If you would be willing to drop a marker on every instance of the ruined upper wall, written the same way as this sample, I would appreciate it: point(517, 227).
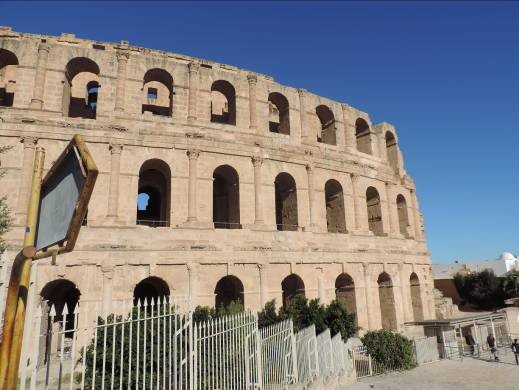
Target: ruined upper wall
point(43, 74)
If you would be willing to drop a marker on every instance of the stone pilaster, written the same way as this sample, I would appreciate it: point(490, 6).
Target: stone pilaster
point(257, 162)
point(191, 204)
point(359, 200)
point(310, 172)
point(417, 217)
point(194, 70)
point(404, 290)
point(113, 191)
point(108, 276)
point(305, 136)
point(349, 129)
point(392, 212)
point(29, 146)
point(253, 80)
point(192, 270)
point(120, 91)
point(39, 79)
point(365, 270)
point(263, 284)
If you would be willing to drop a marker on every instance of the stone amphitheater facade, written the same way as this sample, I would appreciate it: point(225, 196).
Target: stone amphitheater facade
point(215, 183)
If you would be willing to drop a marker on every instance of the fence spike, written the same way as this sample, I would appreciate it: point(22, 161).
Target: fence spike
point(52, 311)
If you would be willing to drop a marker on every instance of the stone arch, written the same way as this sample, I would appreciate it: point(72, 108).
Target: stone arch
point(151, 287)
point(286, 202)
point(403, 217)
point(363, 135)
point(345, 292)
point(157, 87)
point(81, 87)
point(154, 194)
point(223, 102)
point(327, 134)
point(291, 286)
point(392, 150)
point(335, 215)
point(416, 297)
point(226, 198)
point(387, 301)
point(279, 114)
point(228, 289)
point(374, 211)
point(8, 65)
point(58, 293)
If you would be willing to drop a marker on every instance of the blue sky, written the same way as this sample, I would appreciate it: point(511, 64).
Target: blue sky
point(445, 73)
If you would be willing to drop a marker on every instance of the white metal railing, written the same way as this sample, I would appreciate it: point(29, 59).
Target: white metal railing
point(278, 352)
point(339, 358)
point(325, 354)
point(426, 350)
point(307, 359)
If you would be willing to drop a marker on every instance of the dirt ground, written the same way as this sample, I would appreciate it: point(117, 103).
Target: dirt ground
point(463, 374)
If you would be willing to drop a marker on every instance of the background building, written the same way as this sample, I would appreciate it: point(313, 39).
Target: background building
point(215, 183)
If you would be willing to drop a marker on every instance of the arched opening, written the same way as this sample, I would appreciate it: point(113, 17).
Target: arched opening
point(226, 198)
point(335, 219)
point(292, 285)
point(392, 150)
point(81, 88)
point(154, 193)
point(387, 301)
point(286, 202)
point(157, 91)
point(416, 297)
point(60, 293)
point(374, 211)
point(152, 287)
point(228, 289)
point(327, 134)
point(363, 135)
point(8, 65)
point(279, 114)
point(223, 102)
point(345, 292)
point(403, 218)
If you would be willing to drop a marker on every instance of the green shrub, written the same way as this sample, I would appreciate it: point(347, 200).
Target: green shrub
point(483, 289)
point(390, 350)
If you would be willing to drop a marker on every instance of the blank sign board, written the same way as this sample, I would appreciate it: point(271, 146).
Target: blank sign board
point(65, 193)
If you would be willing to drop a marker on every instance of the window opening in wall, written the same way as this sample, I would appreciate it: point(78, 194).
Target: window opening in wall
point(292, 286)
point(279, 114)
point(363, 135)
point(326, 135)
point(416, 297)
point(59, 293)
point(335, 215)
point(345, 292)
point(154, 192)
point(228, 289)
point(286, 202)
point(387, 301)
point(158, 92)
point(81, 87)
point(150, 288)
point(92, 91)
point(374, 211)
point(226, 198)
point(8, 65)
point(223, 102)
point(403, 218)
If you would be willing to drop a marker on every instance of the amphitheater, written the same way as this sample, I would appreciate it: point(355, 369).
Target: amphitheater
point(215, 183)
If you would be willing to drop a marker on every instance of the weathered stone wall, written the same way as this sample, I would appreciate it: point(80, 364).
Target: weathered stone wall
point(113, 253)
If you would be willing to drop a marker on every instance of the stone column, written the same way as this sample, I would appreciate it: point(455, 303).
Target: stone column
point(320, 285)
point(349, 205)
point(29, 146)
point(366, 292)
point(194, 68)
point(263, 284)
point(120, 91)
point(394, 228)
point(403, 287)
point(349, 129)
point(191, 204)
point(302, 111)
point(252, 79)
point(108, 276)
point(39, 79)
point(416, 214)
point(257, 162)
point(192, 270)
point(361, 218)
point(310, 173)
point(115, 168)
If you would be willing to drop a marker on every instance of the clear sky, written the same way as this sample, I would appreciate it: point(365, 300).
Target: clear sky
point(445, 74)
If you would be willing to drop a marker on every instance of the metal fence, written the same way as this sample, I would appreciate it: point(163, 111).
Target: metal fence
point(426, 350)
point(307, 359)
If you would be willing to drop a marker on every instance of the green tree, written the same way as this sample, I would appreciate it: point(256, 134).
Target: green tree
point(483, 289)
point(511, 284)
point(5, 219)
point(390, 350)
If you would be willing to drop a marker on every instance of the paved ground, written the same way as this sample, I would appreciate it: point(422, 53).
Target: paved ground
point(468, 374)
